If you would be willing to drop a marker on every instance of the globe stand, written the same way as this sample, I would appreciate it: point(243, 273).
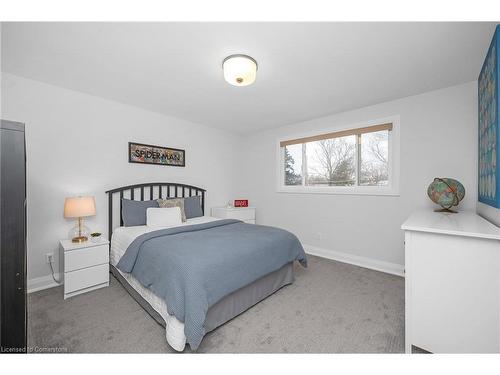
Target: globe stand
point(446, 210)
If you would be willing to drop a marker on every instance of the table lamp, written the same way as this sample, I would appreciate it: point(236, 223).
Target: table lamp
point(79, 207)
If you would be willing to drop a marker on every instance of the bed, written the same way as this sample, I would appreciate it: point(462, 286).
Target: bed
point(152, 298)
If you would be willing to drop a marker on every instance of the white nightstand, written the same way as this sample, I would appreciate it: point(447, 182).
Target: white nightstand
point(86, 266)
point(246, 214)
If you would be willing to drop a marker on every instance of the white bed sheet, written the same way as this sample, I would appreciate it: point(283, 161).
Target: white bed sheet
point(121, 239)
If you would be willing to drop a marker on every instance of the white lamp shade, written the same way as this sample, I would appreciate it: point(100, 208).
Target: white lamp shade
point(239, 70)
point(79, 206)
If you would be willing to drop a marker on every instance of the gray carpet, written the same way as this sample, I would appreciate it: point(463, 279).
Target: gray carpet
point(331, 308)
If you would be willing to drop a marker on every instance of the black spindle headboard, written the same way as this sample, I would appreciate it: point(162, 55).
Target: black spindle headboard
point(149, 191)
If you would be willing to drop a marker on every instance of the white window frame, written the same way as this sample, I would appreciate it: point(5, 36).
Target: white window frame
point(394, 153)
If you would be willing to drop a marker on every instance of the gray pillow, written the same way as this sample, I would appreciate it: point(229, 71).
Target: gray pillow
point(134, 212)
point(192, 207)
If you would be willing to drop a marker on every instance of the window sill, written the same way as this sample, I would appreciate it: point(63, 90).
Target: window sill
point(338, 190)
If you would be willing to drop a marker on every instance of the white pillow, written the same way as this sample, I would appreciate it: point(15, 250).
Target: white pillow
point(163, 217)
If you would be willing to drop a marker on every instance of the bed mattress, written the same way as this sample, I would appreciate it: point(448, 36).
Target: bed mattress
point(224, 310)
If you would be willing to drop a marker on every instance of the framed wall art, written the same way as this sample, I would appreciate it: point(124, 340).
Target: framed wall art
point(158, 155)
point(489, 126)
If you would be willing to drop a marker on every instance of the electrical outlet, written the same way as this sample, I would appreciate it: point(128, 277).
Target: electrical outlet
point(49, 258)
point(319, 235)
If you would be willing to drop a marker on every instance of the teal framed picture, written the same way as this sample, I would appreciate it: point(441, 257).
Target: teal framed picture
point(489, 126)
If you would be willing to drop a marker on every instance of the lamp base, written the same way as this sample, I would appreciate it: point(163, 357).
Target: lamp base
point(79, 233)
point(79, 239)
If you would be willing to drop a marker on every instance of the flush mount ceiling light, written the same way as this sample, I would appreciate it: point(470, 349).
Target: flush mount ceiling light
point(239, 70)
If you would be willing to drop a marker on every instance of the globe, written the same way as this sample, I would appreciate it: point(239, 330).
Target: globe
point(447, 192)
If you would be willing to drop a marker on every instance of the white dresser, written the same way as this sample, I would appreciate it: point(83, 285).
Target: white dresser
point(246, 214)
point(452, 272)
point(86, 266)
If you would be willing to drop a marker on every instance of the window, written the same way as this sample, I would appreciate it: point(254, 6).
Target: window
point(356, 160)
point(374, 159)
point(331, 162)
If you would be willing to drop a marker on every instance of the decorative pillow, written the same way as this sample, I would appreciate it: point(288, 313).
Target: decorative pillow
point(163, 217)
point(173, 202)
point(134, 212)
point(192, 207)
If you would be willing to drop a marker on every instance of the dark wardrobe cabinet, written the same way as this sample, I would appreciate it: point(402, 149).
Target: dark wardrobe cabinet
point(13, 238)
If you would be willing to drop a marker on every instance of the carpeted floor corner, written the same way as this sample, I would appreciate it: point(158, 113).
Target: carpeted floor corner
point(332, 307)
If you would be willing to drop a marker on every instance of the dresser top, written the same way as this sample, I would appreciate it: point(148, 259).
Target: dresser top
point(463, 223)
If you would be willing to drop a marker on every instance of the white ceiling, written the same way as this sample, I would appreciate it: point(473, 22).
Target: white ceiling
point(306, 70)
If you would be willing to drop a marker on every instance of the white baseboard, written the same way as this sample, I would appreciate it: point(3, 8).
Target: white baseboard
point(41, 283)
point(378, 265)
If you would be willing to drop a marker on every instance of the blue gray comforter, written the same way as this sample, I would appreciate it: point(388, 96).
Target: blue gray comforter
point(193, 267)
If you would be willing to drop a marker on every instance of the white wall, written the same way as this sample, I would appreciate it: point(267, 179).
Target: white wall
point(77, 145)
point(437, 139)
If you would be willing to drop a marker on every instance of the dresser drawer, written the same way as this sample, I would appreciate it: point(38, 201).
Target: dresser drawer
point(85, 278)
point(85, 257)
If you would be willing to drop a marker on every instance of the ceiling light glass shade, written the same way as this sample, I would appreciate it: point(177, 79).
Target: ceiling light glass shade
point(239, 70)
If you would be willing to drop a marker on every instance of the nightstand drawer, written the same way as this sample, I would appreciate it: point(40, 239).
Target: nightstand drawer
point(85, 278)
point(85, 257)
point(234, 213)
point(243, 214)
